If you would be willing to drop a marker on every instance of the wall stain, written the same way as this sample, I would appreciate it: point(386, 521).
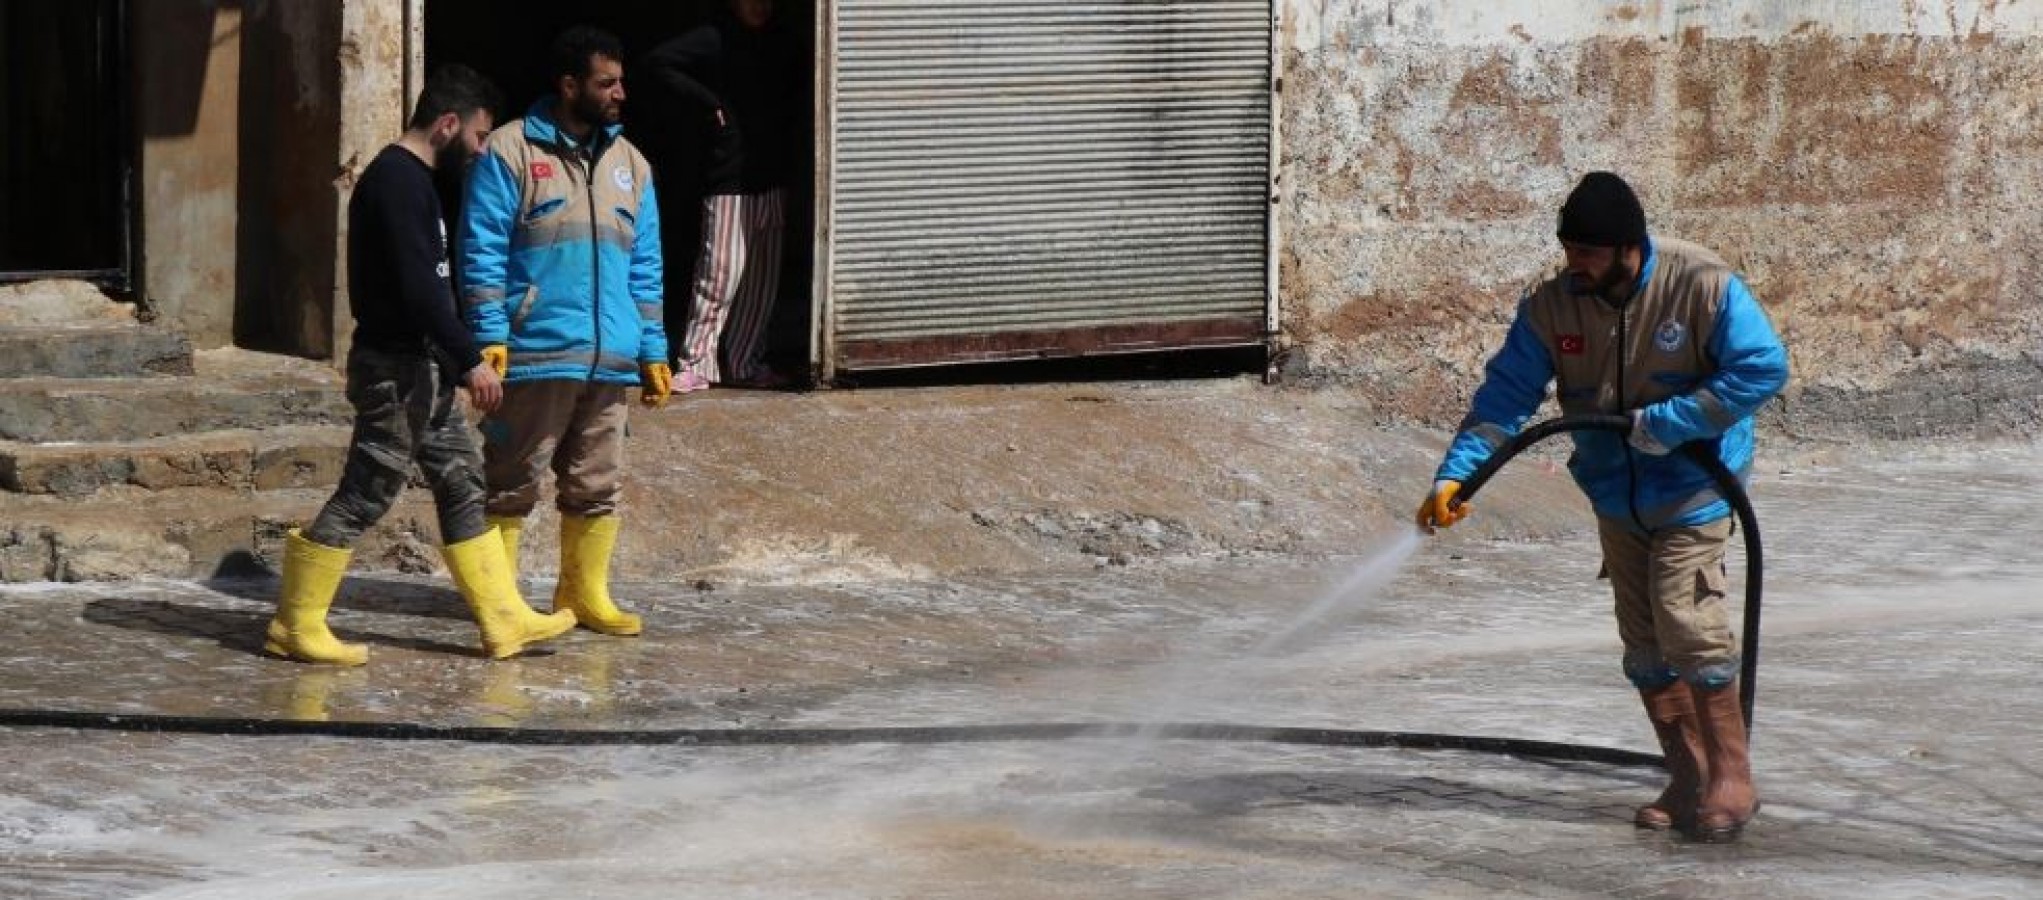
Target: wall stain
point(1876, 191)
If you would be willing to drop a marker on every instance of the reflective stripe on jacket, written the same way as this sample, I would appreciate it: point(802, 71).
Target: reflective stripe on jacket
point(560, 253)
point(1692, 348)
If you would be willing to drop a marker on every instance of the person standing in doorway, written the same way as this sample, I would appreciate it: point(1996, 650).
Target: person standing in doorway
point(561, 269)
point(739, 79)
point(409, 352)
point(1666, 332)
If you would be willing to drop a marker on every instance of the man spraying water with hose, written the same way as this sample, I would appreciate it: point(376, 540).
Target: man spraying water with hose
point(1665, 332)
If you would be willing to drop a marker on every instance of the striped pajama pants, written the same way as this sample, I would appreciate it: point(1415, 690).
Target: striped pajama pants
point(737, 276)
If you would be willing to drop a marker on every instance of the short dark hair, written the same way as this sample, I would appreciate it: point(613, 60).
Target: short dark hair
point(575, 47)
point(457, 89)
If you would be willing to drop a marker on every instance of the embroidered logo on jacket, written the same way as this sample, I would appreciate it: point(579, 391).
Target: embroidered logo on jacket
point(1571, 345)
point(542, 171)
point(621, 176)
point(1669, 336)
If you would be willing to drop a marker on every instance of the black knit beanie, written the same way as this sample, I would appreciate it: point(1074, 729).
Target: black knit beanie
point(1602, 211)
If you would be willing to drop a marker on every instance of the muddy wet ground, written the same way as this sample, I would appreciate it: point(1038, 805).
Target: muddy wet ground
point(1897, 723)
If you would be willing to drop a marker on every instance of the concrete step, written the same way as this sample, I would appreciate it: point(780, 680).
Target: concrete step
point(48, 410)
point(95, 350)
point(129, 533)
point(299, 456)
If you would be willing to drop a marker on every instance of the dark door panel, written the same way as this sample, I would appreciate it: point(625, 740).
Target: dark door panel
point(64, 146)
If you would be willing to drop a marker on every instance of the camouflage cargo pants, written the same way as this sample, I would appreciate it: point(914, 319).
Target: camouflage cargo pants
point(405, 415)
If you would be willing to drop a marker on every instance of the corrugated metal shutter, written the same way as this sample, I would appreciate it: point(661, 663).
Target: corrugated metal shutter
point(1020, 177)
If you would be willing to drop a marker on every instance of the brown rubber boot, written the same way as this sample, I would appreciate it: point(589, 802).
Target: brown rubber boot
point(1672, 712)
point(1728, 799)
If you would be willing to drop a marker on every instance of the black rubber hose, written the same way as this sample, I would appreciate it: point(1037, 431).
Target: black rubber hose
point(1727, 484)
point(755, 737)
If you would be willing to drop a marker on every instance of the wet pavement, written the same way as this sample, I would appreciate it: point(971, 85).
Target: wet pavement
point(1897, 726)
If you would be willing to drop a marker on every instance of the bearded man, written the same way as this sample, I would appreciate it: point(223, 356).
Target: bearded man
point(409, 354)
point(562, 275)
point(1668, 333)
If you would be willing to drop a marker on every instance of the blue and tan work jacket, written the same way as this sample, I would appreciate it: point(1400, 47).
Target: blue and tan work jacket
point(560, 253)
point(1692, 348)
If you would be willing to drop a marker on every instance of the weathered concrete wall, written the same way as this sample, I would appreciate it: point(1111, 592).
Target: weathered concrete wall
point(291, 120)
point(258, 117)
point(1869, 166)
point(376, 62)
point(188, 85)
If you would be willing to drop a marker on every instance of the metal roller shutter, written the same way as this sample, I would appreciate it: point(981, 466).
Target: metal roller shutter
point(1020, 178)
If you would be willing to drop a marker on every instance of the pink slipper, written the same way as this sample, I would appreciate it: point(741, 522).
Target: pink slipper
point(687, 382)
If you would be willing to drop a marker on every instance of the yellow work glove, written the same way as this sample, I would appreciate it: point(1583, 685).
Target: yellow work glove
point(498, 357)
point(656, 384)
point(1437, 511)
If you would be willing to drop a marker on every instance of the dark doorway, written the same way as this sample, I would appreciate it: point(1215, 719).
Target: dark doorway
point(511, 50)
point(65, 148)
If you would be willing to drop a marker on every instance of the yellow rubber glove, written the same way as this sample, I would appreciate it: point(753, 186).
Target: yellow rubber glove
point(498, 357)
point(1437, 511)
point(656, 384)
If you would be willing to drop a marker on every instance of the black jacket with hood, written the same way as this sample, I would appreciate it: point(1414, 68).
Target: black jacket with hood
point(754, 78)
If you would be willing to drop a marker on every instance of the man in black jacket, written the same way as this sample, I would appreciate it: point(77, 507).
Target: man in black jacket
point(723, 103)
point(410, 349)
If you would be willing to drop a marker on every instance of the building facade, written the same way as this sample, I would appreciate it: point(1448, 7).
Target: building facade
point(1361, 186)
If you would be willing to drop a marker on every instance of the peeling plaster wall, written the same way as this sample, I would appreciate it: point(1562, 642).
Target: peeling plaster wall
point(1871, 167)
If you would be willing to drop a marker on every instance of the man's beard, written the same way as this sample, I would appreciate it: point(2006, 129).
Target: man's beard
point(451, 158)
point(590, 108)
point(1615, 286)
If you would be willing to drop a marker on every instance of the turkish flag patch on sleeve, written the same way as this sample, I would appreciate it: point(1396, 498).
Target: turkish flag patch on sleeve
point(1571, 345)
point(542, 171)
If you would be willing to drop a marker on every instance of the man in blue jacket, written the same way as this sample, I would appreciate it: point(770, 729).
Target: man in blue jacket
point(1666, 332)
point(562, 275)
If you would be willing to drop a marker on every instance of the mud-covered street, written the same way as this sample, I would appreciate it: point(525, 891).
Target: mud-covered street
point(1897, 712)
point(1032, 517)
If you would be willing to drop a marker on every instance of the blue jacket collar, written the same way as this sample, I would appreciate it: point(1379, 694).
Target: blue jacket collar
point(541, 127)
point(1648, 261)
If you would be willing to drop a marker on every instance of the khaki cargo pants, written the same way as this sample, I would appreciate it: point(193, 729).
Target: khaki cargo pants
point(576, 428)
point(1672, 612)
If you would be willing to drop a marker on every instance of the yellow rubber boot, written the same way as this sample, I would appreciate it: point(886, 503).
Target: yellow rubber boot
point(485, 581)
point(586, 543)
point(512, 529)
point(312, 575)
